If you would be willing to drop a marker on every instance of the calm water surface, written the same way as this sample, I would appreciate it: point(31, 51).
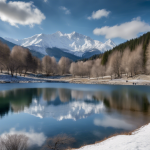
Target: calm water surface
point(88, 113)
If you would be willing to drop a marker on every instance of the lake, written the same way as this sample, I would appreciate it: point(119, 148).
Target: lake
point(89, 113)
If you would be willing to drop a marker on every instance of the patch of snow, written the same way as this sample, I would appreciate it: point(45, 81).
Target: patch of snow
point(139, 140)
point(9, 79)
point(124, 80)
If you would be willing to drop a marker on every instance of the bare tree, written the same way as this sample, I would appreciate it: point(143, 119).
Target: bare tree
point(110, 71)
point(73, 69)
point(28, 60)
point(96, 70)
point(4, 55)
point(50, 65)
point(39, 66)
point(54, 66)
point(16, 59)
point(12, 65)
point(109, 67)
point(116, 62)
point(46, 62)
point(148, 60)
point(125, 65)
point(21, 59)
point(60, 142)
point(81, 68)
point(14, 142)
point(88, 66)
point(102, 71)
point(64, 64)
point(136, 61)
point(34, 64)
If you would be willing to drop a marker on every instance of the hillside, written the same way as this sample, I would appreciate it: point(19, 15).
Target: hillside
point(131, 44)
point(58, 53)
point(11, 45)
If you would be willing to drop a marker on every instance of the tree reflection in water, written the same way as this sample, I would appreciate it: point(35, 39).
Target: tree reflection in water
point(88, 114)
point(124, 99)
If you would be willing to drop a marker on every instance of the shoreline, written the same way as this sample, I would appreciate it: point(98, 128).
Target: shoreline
point(136, 139)
point(124, 141)
point(138, 80)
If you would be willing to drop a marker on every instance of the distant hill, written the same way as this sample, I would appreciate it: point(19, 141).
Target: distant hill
point(36, 54)
point(58, 53)
point(11, 45)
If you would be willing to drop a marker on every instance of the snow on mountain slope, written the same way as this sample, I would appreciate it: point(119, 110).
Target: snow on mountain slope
point(75, 43)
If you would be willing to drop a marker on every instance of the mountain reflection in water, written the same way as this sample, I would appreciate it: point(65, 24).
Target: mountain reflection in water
point(45, 99)
point(93, 114)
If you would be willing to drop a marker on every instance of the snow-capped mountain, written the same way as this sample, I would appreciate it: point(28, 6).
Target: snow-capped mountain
point(74, 43)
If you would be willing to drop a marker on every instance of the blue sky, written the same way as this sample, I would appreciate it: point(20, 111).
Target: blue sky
point(118, 20)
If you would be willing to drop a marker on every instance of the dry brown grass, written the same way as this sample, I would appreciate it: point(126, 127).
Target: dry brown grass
point(123, 133)
point(116, 134)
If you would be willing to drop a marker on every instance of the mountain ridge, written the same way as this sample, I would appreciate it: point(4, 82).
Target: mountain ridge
point(75, 43)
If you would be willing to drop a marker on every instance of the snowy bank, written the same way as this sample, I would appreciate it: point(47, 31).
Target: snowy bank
point(5, 78)
point(138, 140)
point(9, 79)
point(138, 80)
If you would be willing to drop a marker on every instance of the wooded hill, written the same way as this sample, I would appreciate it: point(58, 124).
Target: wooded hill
point(131, 44)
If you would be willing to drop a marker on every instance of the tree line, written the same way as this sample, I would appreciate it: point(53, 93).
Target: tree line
point(20, 61)
point(131, 44)
point(129, 62)
point(117, 63)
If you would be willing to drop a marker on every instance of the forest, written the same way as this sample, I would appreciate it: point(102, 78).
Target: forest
point(130, 58)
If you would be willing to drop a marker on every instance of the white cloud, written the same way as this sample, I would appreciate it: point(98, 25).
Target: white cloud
point(99, 14)
point(34, 138)
point(67, 11)
point(45, 1)
point(40, 27)
point(127, 30)
point(114, 123)
point(20, 13)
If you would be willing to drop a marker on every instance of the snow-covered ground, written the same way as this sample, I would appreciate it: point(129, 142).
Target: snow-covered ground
point(5, 78)
point(139, 80)
point(123, 80)
point(138, 140)
point(9, 79)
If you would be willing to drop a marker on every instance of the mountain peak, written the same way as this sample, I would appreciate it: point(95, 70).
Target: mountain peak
point(110, 42)
point(74, 32)
point(74, 43)
point(59, 33)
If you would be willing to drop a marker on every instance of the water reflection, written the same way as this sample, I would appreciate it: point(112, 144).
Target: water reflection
point(64, 95)
point(16, 100)
point(128, 100)
point(88, 115)
point(49, 94)
point(72, 101)
point(73, 110)
point(34, 138)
